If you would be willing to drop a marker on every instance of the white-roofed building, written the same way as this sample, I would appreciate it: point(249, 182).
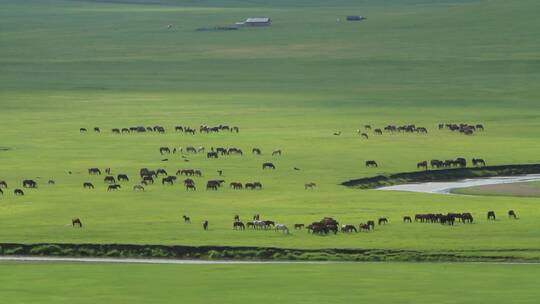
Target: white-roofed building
point(258, 21)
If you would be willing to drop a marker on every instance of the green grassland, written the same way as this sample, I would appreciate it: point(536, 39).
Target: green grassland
point(71, 64)
point(336, 283)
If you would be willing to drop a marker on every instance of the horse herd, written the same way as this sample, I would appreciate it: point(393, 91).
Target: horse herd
point(213, 152)
point(148, 177)
point(463, 128)
point(161, 130)
point(467, 129)
point(449, 163)
point(330, 225)
point(27, 183)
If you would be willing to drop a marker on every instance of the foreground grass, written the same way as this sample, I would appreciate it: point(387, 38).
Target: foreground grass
point(336, 283)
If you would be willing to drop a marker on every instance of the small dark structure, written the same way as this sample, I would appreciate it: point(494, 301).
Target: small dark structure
point(356, 18)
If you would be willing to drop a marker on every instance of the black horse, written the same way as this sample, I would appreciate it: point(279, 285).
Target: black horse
point(491, 215)
point(371, 164)
point(268, 166)
point(76, 221)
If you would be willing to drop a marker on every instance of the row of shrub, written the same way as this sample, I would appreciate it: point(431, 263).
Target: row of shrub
point(240, 253)
point(441, 175)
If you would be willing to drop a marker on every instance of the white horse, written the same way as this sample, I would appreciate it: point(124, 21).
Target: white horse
point(283, 228)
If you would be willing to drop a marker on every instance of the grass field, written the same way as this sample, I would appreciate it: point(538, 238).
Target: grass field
point(528, 189)
point(72, 64)
point(336, 283)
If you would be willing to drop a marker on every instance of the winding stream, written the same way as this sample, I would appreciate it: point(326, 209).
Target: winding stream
point(446, 187)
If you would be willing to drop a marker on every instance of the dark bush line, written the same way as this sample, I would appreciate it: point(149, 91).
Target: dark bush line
point(441, 175)
point(247, 253)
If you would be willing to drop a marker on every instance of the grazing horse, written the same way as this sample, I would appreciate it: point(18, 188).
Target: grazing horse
point(282, 228)
point(51, 182)
point(97, 130)
point(309, 185)
point(3, 184)
point(83, 130)
point(364, 135)
point(364, 227)
point(256, 151)
point(122, 178)
point(478, 162)
point(491, 215)
point(268, 165)
point(18, 192)
point(190, 187)
point(138, 188)
point(276, 152)
point(212, 155)
point(161, 171)
point(168, 180)
point(298, 226)
point(371, 164)
point(239, 225)
point(186, 219)
point(236, 185)
point(466, 217)
point(371, 224)
point(205, 225)
point(511, 213)
point(88, 185)
point(422, 164)
point(338, 133)
point(378, 132)
point(113, 187)
point(76, 221)
point(109, 179)
point(28, 183)
point(407, 219)
point(383, 220)
point(348, 228)
point(212, 185)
